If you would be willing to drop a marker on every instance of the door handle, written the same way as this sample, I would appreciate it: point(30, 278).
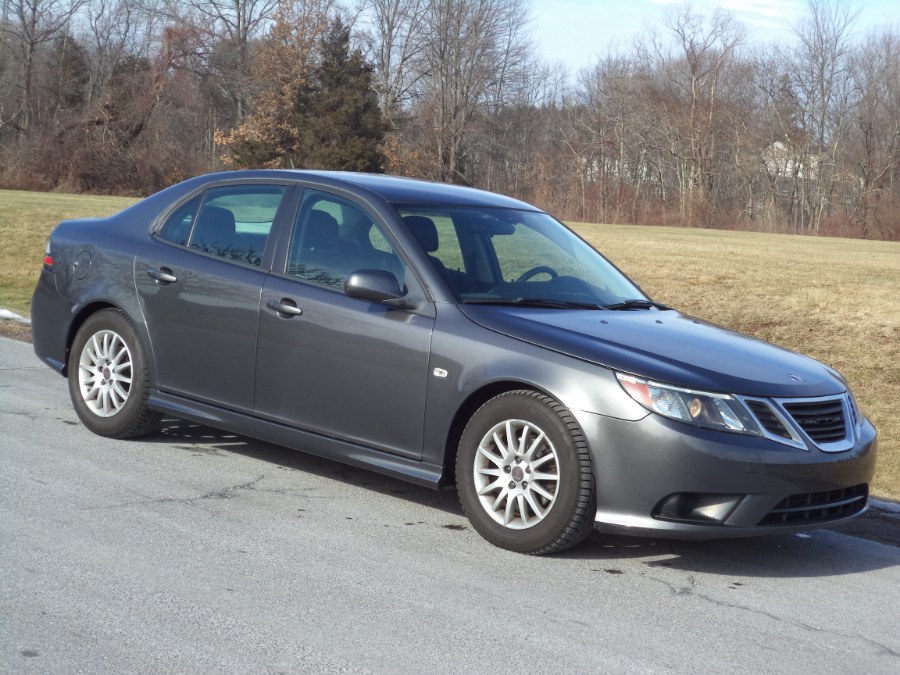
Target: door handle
point(285, 307)
point(163, 275)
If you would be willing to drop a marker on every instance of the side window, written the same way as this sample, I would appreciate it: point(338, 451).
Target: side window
point(333, 238)
point(177, 227)
point(234, 221)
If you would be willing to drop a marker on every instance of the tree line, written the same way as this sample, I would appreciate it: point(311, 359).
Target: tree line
point(690, 125)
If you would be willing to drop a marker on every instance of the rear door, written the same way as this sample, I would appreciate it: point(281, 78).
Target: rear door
point(199, 282)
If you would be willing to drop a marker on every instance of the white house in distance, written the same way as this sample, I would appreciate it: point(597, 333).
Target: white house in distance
point(782, 162)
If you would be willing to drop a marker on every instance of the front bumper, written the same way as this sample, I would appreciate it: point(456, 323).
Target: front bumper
point(749, 481)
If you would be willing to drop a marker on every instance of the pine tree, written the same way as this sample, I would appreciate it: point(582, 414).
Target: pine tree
point(283, 71)
point(338, 119)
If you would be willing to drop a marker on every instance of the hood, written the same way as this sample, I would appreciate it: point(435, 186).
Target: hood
point(665, 346)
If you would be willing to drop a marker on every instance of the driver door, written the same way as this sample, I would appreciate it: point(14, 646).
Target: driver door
point(334, 365)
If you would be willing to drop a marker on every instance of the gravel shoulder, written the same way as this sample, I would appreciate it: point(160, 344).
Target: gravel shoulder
point(15, 330)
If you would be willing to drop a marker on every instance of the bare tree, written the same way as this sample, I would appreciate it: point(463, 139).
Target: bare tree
point(229, 27)
point(693, 73)
point(114, 30)
point(393, 43)
point(819, 70)
point(509, 144)
point(30, 24)
point(876, 144)
point(617, 124)
point(472, 47)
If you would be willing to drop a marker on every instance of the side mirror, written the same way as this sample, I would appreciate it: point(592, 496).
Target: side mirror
point(373, 285)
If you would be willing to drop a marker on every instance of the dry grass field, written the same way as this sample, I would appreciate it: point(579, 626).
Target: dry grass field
point(26, 219)
point(837, 300)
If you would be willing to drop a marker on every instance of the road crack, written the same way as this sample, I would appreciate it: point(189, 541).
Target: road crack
point(21, 413)
point(690, 590)
point(224, 493)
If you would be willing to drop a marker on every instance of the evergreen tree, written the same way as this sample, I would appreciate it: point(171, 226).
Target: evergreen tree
point(282, 71)
point(338, 120)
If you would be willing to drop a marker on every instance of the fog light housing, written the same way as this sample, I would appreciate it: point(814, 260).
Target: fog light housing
point(696, 507)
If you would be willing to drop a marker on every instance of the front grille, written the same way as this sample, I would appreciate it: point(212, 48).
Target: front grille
point(823, 421)
point(767, 418)
point(818, 507)
point(854, 414)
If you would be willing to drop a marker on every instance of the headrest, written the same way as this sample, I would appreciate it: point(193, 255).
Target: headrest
point(321, 231)
point(424, 230)
point(215, 224)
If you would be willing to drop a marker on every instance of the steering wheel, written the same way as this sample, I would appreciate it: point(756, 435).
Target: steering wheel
point(534, 271)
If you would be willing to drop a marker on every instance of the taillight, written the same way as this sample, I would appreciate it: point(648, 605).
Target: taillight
point(48, 259)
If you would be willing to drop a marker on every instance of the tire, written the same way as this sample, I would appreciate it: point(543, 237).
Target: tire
point(108, 377)
point(534, 494)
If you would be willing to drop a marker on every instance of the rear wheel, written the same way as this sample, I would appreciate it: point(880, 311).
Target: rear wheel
point(524, 474)
point(108, 377)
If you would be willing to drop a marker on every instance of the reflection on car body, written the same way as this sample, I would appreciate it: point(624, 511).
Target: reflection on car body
point(447, 336)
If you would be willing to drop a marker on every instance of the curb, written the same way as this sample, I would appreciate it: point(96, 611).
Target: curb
point(890, 509)
point(6, 314)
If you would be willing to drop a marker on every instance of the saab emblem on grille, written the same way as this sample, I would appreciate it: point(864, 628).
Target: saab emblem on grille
point(822, 421)
point(796, 378)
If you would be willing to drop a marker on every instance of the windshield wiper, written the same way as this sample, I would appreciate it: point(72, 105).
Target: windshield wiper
point(533, 302)
point(636, 304)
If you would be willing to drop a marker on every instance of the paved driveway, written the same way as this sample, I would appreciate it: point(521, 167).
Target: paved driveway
point(195, 550)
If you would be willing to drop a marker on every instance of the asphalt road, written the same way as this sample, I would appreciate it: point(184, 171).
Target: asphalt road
point(198, 551)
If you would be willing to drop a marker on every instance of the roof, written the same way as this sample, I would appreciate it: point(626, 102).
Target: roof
point(393, 189)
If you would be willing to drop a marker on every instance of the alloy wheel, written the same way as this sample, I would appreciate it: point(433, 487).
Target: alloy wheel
point(105, 370)
point(516, 474)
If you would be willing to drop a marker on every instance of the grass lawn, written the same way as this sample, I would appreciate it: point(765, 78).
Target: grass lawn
point(837, 300)
point(26, 219)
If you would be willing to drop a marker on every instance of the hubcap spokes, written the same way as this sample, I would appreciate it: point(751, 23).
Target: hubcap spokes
point(516, 474)
point(105, 373)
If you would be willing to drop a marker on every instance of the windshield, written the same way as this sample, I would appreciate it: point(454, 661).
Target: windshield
point(527, 257)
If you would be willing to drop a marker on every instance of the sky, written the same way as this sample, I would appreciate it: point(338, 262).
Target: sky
point(576, 32)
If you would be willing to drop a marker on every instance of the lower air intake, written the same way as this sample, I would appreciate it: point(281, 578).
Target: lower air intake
point(818, 507)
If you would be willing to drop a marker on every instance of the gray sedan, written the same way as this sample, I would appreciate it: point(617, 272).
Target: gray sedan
point(450, 337)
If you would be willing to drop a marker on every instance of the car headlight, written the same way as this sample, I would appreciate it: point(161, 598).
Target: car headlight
point(700, 408)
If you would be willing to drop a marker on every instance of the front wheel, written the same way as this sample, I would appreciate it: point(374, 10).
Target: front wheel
point(523, 472)
point(108, 377)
